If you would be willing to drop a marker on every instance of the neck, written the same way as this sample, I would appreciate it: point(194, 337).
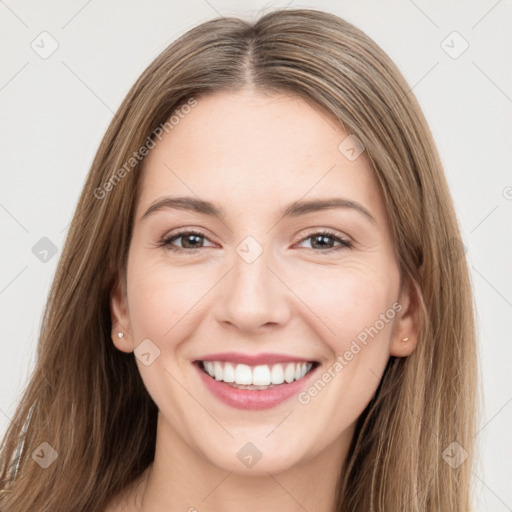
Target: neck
point(184, 480)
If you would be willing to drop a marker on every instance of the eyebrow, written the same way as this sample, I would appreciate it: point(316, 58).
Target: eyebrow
point(294, 209)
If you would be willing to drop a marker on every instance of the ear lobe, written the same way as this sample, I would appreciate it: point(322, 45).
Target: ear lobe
point(406, 331)
point(120, 317)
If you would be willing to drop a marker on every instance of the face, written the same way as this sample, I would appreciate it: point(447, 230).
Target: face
point(258, 279)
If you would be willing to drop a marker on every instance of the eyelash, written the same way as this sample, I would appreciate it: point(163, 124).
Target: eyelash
point(167, 241)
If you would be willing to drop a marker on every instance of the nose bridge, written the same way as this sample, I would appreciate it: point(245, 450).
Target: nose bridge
point(253, 296)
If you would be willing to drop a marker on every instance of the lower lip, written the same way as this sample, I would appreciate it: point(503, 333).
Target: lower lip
point(252, 399)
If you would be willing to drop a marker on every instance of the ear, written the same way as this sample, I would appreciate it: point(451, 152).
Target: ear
point(120, 317)
point(406, 331)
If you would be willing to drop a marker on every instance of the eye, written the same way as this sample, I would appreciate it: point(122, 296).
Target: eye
point(323, 241)
point(190, 240)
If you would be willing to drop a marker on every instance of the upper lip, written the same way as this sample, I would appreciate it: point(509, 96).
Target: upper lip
point(253, 359)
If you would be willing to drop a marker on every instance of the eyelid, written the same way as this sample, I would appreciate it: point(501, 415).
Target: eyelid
point(165, 241)
point(344, 241)
point(318, 230)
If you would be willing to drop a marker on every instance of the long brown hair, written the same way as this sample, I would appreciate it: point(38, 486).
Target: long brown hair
point(86, 399)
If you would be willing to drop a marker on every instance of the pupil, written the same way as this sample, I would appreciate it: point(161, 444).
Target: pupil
point(187, 239)
point(323, 238)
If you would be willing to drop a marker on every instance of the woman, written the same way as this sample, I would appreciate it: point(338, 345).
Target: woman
point(262, 301)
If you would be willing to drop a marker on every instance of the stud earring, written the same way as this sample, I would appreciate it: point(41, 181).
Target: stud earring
point(120, 335)
point(405, 340)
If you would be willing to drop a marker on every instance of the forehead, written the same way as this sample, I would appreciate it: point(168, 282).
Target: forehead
point(249, 150)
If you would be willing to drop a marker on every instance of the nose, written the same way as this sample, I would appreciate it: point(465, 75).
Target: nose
point(253, 297)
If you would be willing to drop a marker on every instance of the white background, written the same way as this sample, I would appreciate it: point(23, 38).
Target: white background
point(55, 111)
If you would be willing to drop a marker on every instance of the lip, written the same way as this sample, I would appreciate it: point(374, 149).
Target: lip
point(252, 399)
point(254, 359)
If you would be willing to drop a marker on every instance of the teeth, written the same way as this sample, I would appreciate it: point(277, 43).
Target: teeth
point(277, 374)
point(208, 366)
point(243, 374)
point(289, 372)
point(217, 370)
point(297, 371)
point(229, 373)
point(261, 375)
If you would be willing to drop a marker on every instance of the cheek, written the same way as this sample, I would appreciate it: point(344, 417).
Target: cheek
point(347, 303)
point(162, 305)
point(159, 299)
point(354, 318)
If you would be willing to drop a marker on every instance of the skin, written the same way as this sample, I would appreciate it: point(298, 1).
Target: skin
point(252, 154)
